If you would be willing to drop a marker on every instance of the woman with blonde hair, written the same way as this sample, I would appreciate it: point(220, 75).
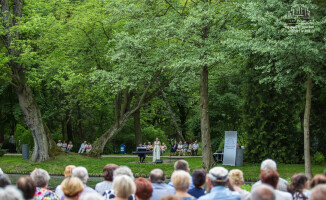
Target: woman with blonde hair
point(72, 188)
point(181, 181)
point(123, 187)
point(235, 182)
point(67, 173)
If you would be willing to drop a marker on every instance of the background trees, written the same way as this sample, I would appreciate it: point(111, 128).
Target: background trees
point(96, 71)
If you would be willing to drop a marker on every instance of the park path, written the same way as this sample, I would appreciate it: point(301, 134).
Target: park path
point(123, 156)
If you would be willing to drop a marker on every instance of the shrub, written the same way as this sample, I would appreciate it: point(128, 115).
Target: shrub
point(2, 152)
point(318, 158)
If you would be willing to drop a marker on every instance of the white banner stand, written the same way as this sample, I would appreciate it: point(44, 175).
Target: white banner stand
point(230, 148)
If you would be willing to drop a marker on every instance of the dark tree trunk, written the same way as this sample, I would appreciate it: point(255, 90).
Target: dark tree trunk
point(174, 121)
point(204, 120)
point(63, 128)
point(137, 127)
point(79, 123)
point(69, 129)
point(306, 131)
point(43, 143)
point(1, 131)
point(183, 118)
point(126, 114)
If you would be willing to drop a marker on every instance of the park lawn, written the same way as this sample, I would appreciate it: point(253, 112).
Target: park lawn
point(15, 164)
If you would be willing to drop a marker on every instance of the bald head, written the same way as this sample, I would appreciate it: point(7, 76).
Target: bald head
point(157, 176)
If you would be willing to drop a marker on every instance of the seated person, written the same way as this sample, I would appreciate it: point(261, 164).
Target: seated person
point(141, 156)
point(59, 144)
point(64, 145)
point(88, 147)
point(185, 148)
point(189, 151)
point(82, 147)
point(163, 148)
point(179, 147)
point(69, 147)
point(149, 147)
point(195, 148)
point(174, 148)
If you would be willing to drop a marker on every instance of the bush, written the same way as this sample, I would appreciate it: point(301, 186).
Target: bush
point(318, 158)
point(25, 137)
point(2, 152)
point(150, 133)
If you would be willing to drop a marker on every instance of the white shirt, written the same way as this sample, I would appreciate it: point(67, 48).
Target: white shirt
point(102, 186)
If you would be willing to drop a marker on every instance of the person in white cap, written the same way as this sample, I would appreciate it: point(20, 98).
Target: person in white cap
point(216, 181)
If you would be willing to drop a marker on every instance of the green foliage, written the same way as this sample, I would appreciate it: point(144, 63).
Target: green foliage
point(2, 152)
point(270, 132)
point(24, 135)
point(318, 159)
point(150, 133)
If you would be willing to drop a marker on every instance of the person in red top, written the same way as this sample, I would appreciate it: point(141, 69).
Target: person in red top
point(88, 147)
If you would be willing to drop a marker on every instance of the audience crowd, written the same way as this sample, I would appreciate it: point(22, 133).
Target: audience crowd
point(119, 184)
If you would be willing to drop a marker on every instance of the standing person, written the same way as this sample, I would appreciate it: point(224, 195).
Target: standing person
point(69, 147)
point(82, 147)
point(88, 147)
point(195, 148)
point(12, 146)
point(174, 148)
point(64, 145)
point(156, 152)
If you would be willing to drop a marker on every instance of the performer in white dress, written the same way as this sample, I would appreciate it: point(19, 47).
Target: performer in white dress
point(156, 151)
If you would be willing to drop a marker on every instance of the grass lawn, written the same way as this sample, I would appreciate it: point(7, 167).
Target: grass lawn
point(15, 164)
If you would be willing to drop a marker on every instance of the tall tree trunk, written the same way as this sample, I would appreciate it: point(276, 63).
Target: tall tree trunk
point(174, 121)
point(79, 124)
point(137, 127)
point(204, 120)
point(63, 128)
point(183, 118)
point(1, 131)
point(43, 142)
point(69, 128)
point(306, 131)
